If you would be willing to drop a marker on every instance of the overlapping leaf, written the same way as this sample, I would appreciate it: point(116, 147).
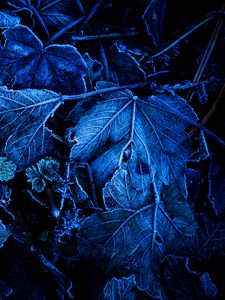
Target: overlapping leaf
point(120, 289)
point(127, 68)
point(8, 20)
point(153, 18)
point(57, 67)
point(182, 284)
point(132, 234)
point(23, 115)
point(4, 234)
point(153, 127)
point(52, 12)
point(217, 187)
point(179, 209)
point(123, 192)
point(209, 237)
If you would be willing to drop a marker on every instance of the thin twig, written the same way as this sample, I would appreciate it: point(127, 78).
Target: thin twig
point(91, 181)
point(110, 89)
point(104, 36)
point(215, 106)
point(65, 29)
point(104, 60)
point(211, 112)
point(184, 36)
point(93, 12)
point(39, 18)
point(207, 53)
point(80, 7)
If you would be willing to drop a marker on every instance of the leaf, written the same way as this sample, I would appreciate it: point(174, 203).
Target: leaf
point(94, 70)
point(37, 181)
point(120, 289)
point(153, 18)
point(152, 126)
point(181, 284)
point(4, 234)
point(49, 169)
point(128, 70)
point(104, 166)
point(121, 192)
point(217, 187)
point(23, 116)
point(53, 13)
point(179, 210)
point(7, 169)
point(56, 67)
point(123, 239)
point(210, 236)
point(209, 287)
point(8, 20)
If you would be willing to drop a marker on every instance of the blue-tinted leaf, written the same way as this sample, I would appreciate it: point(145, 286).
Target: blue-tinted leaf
point(152, 126)
point(20, 3)
point(121, 192)
point(181, 284)
point(209, 237)
point(104, 166)
point(8, 20)
point(56, 67)
point(120, 289)
point(209, 287)
point(153, 18)
point(179, 209)
point(127, 68)
point(123, 237)
point(217, 187)
point(94, 71)
point(23, 116)
point(54, 13)
point(4, 234)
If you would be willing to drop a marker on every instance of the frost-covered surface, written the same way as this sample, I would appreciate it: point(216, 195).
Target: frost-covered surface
point(109, 187)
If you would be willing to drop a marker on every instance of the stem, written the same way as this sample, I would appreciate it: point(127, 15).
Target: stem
point(104, 36)
point(93, 12)
point(207, 53)
point(212, 110)
point(103, 91)
point(184, 36)
point(104, 60)
point(80, 7)
point(111, 89)
point(91, 181)
point(54, 209)
point(215, 106)
point(62, 31)
point(39, 18)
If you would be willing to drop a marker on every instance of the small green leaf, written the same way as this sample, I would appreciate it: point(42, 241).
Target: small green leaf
point(7, 169)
